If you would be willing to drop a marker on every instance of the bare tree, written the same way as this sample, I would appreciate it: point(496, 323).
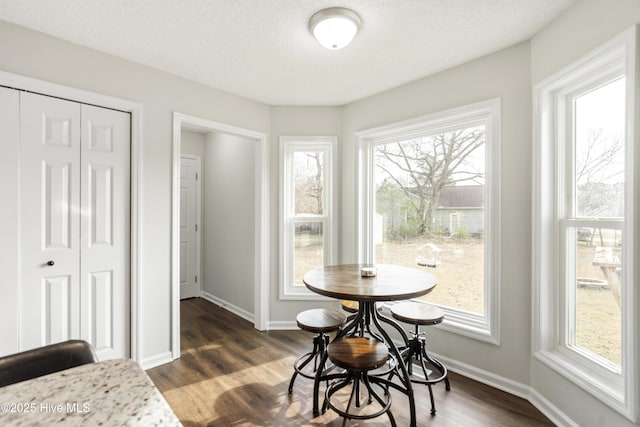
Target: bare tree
point(599, 174)
point(596, 156)
point(423, 166)
point(309, 185)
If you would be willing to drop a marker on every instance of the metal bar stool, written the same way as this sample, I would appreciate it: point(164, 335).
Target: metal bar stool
point(358, 356)
point(319, 321)
point(417, 314)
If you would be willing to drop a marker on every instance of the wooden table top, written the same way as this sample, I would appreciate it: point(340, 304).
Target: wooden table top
point(392, 282)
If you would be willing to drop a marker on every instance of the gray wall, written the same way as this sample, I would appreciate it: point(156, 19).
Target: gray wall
point(228, 223)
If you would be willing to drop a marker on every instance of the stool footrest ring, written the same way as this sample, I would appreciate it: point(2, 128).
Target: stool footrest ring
point(300, 364)
point(356, 377)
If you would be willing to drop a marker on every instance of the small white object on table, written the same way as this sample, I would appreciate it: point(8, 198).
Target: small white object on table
point(111, 393)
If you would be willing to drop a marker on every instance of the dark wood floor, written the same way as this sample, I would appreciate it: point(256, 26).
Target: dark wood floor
point(230, 374)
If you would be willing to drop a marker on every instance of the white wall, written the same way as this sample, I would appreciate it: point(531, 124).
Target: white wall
point(228, 222)
point(36, 55)
point(577, 31)
point(580, 29)
point(192, 143)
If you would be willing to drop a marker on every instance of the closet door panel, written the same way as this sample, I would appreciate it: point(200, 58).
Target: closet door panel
point(105, 243)
point(9, 163)
point(49, 220)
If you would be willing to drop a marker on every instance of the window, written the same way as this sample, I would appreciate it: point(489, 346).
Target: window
point(307, 211)
point(429, 191)
point(585, 300)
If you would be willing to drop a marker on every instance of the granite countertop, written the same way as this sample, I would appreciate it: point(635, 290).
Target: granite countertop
point(110, 393)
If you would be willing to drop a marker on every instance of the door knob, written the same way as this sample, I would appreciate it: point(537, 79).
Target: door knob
point(50, 263)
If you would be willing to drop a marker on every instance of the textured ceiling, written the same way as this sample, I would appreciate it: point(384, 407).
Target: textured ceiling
point(262, 49)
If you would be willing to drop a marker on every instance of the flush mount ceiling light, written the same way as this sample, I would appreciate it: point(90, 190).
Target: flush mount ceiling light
point(334, 27)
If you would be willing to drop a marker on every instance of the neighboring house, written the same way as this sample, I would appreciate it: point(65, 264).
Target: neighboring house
point(461, 209)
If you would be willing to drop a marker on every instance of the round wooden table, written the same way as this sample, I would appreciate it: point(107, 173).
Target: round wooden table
point(391, 283)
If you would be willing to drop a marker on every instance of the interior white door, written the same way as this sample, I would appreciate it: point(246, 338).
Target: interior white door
point(9, 257)
point(74, 222)
point(189, 227)
point(105, 231)
point(49, 219)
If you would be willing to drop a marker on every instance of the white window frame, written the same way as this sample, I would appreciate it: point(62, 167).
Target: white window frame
point(485, 327)
point(288, 146)
point(552, 131)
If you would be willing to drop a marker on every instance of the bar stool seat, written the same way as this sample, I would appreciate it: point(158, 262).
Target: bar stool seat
point(321, 322)
point(419, 314)
point(358, 356)
point(350, 306)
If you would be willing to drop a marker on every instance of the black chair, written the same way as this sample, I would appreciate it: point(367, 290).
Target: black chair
point(45, 360)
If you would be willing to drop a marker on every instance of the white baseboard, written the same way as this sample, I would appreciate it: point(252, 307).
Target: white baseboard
point(282, 325)
point(157, 360)
point(229, 307)
point(507, 385)
point(558, 417)
point(485, 377)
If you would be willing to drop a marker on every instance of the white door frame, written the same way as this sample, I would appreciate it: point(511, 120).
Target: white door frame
point(261, 249)
point(135, 109)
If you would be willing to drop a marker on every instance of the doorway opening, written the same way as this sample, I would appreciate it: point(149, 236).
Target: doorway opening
point(232, 156)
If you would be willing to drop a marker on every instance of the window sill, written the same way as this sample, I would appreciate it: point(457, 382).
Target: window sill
point(461, 323)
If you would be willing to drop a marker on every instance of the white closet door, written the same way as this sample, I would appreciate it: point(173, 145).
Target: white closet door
point(74, 225)
point(9, 166)
point(49, 220)
point(104, 229)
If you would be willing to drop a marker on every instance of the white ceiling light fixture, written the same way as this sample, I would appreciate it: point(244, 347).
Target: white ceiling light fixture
point(334, 27)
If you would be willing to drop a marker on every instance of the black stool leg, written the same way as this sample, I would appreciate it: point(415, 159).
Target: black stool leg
point(436, 363)
point(357, 377)
point(417, 349)
point(378, 398)
point(320, 342)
